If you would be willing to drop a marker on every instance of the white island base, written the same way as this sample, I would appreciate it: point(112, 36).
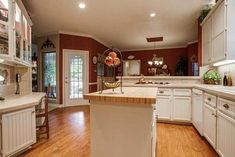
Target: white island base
point(122, 129)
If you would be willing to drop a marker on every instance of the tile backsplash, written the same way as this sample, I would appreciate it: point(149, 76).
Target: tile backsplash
point(227, 68)
point(10, 87)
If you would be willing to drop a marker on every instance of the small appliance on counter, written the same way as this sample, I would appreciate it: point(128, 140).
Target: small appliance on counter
point(18, 80)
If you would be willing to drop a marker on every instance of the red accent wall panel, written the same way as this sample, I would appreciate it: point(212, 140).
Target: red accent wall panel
point(79, 43)
point(171, 57)
point(192, 49)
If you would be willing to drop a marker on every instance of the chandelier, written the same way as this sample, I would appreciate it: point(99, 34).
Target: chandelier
point(156, 61)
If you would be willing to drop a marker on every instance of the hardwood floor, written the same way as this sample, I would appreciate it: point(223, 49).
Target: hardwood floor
point(70, 137)
point(181, 141)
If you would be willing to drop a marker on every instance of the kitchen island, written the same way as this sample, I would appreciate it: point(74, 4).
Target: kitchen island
point(123, 125)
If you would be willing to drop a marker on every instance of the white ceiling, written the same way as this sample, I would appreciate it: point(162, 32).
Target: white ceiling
point(121, 23)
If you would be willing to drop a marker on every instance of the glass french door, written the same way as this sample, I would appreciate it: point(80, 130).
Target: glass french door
point(75, 78)
point(49, 73)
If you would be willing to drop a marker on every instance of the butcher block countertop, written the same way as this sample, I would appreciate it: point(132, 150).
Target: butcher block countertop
point(17, 102)
point(134, 95)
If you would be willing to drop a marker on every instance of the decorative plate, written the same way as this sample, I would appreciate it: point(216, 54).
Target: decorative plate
point(94, 59)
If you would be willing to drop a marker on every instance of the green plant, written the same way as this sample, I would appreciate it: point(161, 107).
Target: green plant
point(204, 12)
point(181, 67)
point(212, 75)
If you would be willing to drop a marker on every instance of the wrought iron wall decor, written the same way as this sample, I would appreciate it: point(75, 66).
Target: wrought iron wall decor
point(47, 44)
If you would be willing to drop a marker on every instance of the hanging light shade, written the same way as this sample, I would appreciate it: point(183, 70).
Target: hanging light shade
point(156, 61)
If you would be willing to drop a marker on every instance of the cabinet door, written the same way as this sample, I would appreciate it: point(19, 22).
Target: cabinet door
point(219, 20)
point(209, 124)
point(218, 33)
point(164, 107)
point(197, 114)
point(218, 47)
point(18, 131)
point(206, 42)
point(207, 51)
point(206, 31)
point(182, 108)
point(225, 135)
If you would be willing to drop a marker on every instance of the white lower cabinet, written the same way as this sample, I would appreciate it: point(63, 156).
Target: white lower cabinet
point(18, 131)
point(174, 104)
point(210, 124)
point(225, 135)
point(164, 107)
point(182, 108)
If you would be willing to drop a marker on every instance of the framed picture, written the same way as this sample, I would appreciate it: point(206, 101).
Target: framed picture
point(94, 59)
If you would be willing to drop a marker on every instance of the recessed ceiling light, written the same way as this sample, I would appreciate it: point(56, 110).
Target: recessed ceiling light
point(82, 5)
point(1, 60)
point(152, 14)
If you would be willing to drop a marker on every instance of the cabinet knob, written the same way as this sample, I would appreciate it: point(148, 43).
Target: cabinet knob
point(161, 91)
point(226, 106)
point(213, 114)
point(209, 99)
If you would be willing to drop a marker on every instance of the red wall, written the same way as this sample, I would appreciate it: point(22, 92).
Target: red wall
point(80, 43)
point(171, 57)
point(192, 49)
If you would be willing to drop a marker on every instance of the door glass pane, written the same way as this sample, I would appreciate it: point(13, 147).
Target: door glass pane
point(4, 27)
point(75, 77)
point(18, 30)
point(49, 72)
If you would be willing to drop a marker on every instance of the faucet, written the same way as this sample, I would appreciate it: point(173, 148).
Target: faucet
point(141, 80)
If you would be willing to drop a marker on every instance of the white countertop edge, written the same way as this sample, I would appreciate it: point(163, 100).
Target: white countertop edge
point(163, 77)
point(18, 102)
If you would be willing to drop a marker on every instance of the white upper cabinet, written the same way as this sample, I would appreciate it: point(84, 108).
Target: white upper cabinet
point(206, 40)
point(15, 33)
point(218, 20)
point(218, 31)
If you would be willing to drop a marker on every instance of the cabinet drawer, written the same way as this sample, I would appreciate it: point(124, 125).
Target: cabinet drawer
point(164, 92)
point(182, 92)
point(210, 99)
point(227, 107)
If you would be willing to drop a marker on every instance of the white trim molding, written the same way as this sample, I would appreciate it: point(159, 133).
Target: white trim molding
point(74, 34)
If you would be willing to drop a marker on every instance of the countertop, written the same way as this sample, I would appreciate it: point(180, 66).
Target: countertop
point(163, 77)
point(217, 90)
point(136, 95)
point(17, 102)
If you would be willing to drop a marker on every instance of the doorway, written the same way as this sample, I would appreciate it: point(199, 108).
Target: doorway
point(76, 77)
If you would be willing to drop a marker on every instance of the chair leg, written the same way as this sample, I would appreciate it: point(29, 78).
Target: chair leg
point(47, 127)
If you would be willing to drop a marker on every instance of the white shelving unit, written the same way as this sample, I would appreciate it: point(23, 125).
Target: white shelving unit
point(15, 33)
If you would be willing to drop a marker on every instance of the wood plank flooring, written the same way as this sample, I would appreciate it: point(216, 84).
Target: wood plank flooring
point(70, 137)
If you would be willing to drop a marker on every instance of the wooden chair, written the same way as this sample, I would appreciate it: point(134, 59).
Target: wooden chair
point(42, 116)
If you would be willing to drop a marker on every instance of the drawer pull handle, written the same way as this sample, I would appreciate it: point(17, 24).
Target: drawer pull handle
point(213, 114)
point(226, 106)
point(161, 91)
point(209, 99)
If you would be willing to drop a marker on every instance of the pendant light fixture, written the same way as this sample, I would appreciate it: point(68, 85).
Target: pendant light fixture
point(156, 61)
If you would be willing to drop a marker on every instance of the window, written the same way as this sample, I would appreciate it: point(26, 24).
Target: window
point(49, 72)
point(76, 77)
